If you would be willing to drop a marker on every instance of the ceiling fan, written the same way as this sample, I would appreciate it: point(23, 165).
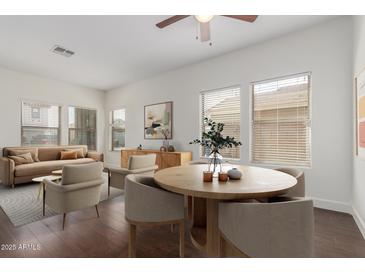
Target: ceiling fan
point(203, 21)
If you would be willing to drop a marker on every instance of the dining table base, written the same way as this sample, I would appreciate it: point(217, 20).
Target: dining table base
point(204, 231)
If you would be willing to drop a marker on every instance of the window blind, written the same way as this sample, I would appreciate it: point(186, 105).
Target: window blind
point(222, 106)
point(40, 124)
point(281, 126)
point(82, 127)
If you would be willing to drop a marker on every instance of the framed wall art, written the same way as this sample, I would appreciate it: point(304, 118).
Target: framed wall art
point(360, 114)
point(158, 121)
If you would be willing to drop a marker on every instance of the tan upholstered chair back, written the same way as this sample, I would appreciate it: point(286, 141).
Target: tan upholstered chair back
point(146, 202)
point(299, 189)
point(279, 229)
point(141, 161)
point(74, 174)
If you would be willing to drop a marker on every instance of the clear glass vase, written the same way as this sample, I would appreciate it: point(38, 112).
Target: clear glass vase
point(215, 163)
point(165, 143)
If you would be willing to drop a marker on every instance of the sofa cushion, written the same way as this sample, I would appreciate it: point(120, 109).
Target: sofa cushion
point(50, 153)
point(80, 152)
point(21, 159)
point(46, 167)
point(22, 150)
point(68, 155)
point(54, 153)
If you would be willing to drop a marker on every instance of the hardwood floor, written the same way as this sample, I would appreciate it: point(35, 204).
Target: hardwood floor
point(85, 235)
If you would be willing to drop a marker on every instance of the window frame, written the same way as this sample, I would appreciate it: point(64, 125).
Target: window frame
point(111, 129)
point(96, 125)
point(201, 122)
point(251, 116)
point(35, 127)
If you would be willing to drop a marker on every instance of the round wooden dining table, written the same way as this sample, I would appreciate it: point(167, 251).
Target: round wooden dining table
point(203, 198)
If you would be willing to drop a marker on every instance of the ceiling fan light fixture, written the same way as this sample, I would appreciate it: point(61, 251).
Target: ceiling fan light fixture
point(204, 18)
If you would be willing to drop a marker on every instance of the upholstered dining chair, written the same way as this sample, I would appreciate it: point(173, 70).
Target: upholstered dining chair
point(299, 189)
point(281, 228)
point(148, 204)
point(137, 164)
point(79, 188)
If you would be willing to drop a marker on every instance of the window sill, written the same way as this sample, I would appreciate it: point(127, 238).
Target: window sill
point(278, 165)
point(225, 160)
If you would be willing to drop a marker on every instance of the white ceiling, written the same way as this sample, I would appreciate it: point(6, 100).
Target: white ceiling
point(114, 50)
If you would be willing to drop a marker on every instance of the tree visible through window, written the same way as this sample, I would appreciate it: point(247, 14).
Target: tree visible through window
point(82, 127)
point(117, 129)
point(40, 124)
point(223, 106)
point(281, 126)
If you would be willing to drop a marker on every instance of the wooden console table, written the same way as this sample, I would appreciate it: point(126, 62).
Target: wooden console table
point(163, 159)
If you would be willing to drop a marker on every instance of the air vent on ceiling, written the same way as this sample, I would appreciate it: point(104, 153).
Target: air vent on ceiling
point(62, 51)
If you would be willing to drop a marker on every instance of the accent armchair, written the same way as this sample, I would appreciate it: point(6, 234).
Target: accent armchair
point(281, 228)
point(79, 188)
point(137, 164)
point(148, 204)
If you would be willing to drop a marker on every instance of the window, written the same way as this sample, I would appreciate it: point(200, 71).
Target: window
point(223, 106)
point(40, 124)
point(82, 127)
point(281, 131)
point(117, 129)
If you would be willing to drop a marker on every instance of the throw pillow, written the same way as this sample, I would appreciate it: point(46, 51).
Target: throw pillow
point(20, 151)
point(80, 152)
point(21, 159)
point(68, 155)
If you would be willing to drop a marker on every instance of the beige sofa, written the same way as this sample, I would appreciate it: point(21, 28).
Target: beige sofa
point(49, 160)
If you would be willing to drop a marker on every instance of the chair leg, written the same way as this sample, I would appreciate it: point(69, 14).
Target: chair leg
point(109, 175)
point(44, 200)
point(63, 221)
point(132, 241)
point(172, 227)
point(97, 211)
point(182, 239)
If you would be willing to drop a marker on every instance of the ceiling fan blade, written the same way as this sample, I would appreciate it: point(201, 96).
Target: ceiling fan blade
point(170, 20)
point(204, 31)
point(247, 18)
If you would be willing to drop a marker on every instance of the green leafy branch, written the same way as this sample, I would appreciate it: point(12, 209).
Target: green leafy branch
point(213, 138)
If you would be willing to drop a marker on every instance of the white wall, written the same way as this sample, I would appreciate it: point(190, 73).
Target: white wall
point(359, 165)
point(325, 50)
point(15, 86)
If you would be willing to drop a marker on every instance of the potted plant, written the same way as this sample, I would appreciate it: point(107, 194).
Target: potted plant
point(214, 141)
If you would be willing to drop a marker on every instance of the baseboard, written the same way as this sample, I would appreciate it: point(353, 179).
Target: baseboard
point(359, 221)
point(332, 205)
point(342, 207)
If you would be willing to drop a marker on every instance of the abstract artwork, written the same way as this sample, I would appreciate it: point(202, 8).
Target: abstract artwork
point(360, 113)
point(158, 121)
